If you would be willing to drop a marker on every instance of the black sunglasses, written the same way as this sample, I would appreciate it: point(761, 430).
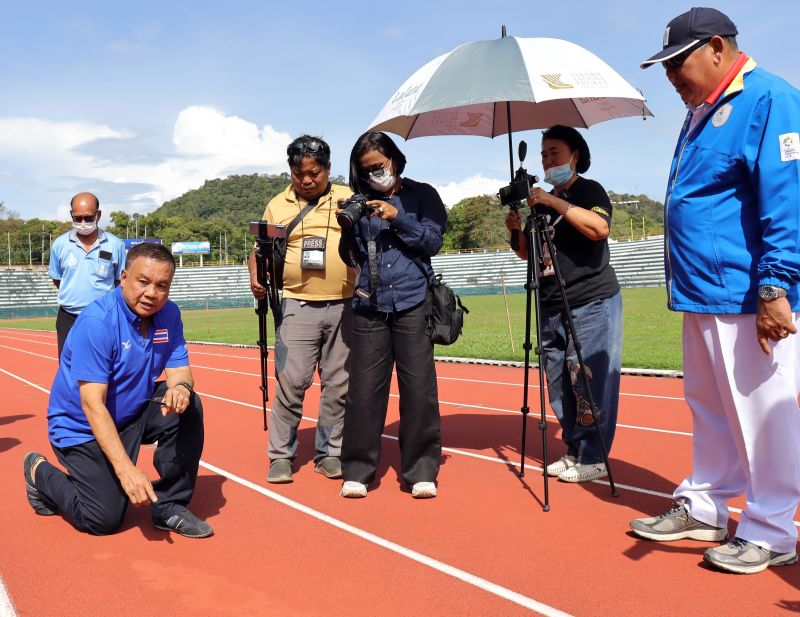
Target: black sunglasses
point(676, 62)
point(89, 218)
point(309, 147)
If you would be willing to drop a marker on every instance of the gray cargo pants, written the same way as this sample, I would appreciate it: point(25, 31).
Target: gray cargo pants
point(311, 335)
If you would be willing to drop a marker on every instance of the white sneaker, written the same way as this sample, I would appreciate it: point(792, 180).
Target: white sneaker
point(353, 489)
point(561, 465)
point(423, 490)
point(584, 472)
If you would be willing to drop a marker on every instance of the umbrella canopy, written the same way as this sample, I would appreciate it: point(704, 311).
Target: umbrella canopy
point(544, 81)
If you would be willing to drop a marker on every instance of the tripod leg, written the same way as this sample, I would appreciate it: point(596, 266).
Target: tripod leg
point(592, 408)
point(533, 297)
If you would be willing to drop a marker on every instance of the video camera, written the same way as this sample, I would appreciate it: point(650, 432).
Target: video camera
point(519, 188)
point(266, 231)
point(352, 210)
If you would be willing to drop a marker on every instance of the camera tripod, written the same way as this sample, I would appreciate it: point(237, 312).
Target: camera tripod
point(265, 272)
point(536, 230)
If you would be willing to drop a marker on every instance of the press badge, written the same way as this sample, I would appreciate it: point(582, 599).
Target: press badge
point(313, 256)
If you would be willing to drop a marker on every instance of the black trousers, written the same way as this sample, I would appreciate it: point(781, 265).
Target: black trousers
point(91, 497)
point(64, 322)
point(380, 340)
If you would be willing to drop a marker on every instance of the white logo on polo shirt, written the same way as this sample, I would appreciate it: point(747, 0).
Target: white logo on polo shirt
point(72, 261)
point(126, 345)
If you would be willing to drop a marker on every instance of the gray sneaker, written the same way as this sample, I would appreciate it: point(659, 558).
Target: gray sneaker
point(677, 524)
point(280, 471)
point(743, 557)
point(330, 467)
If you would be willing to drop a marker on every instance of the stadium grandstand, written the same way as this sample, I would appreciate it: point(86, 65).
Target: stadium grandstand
point(28, 292)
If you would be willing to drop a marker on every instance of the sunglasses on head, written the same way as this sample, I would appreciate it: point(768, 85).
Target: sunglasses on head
point(89, 218)
point(676, 62)
point(309, 147)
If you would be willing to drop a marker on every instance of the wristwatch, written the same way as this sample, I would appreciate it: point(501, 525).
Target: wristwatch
point(768, 293)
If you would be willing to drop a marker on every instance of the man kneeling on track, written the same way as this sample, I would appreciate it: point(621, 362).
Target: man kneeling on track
point(105, 403)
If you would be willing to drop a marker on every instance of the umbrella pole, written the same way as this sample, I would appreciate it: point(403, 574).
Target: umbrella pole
point(510, 145)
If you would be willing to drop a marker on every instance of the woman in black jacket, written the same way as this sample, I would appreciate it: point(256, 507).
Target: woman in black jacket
point(391, 236)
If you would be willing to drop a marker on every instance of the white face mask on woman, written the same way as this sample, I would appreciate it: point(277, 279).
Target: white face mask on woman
point(381, 180)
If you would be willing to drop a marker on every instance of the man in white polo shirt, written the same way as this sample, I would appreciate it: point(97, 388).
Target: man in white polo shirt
point(85, 263)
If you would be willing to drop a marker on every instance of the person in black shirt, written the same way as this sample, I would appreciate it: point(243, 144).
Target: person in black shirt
point(392, 242)
point(579, 214)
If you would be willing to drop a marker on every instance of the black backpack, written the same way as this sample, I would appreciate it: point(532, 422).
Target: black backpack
point(444, 311)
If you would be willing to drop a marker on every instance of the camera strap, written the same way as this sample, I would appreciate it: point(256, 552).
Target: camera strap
point(372, 255)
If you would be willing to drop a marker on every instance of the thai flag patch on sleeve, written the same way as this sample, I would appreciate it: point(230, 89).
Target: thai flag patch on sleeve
point(161, 336)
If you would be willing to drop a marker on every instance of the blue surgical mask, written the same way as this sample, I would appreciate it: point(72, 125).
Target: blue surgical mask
point(559, 175)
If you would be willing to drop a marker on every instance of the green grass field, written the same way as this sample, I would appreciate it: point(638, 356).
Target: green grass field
point(651, 332)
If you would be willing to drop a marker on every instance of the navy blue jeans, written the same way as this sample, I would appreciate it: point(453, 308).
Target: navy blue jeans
point(91, 497)
point(598, 326)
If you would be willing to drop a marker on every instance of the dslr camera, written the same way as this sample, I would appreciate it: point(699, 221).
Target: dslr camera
point(352, 210)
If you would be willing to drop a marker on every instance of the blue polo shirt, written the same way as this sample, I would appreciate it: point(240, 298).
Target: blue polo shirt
point(106, 346)
point(85, 275)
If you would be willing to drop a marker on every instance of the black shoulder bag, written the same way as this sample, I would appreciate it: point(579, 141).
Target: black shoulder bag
point(444, 310)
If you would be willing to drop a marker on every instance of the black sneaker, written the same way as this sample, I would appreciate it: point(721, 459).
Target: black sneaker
point(744, 557)
point(186, 524)
point(42, 505)
point(677, 524)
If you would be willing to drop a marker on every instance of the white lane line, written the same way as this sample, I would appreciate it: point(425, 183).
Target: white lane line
point(448, 403)
point(462, 575)
point(512, 384)
point(27, 340)
point(483, 457)
point(6, 605)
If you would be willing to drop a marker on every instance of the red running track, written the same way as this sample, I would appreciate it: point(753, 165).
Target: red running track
point(483, 547)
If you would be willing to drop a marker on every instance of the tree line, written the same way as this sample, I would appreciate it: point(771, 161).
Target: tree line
point(218, 212)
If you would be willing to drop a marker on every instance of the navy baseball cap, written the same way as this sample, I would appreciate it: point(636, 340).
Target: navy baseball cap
point(690, 28)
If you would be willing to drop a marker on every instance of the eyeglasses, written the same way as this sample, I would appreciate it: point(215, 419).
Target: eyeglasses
point(89, 218)
point(379, 171)
point(676, 62)
point(309, 147)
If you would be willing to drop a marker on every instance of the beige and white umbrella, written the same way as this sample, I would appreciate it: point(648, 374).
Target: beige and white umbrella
point(538, 82)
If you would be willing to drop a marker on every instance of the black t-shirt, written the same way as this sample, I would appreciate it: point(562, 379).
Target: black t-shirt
point(584, 263)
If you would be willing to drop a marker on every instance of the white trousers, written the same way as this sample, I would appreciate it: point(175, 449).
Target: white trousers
point(746, 427)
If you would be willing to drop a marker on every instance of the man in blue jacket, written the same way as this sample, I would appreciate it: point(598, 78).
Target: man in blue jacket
point(732, 257)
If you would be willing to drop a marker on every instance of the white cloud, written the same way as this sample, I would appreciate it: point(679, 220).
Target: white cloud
point(454, 192)
point(207, 144)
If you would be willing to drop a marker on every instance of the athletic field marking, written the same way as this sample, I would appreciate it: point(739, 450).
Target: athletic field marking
point(6, 605)
point(512, 384)
point(448, 403)
point(462, 575)
point(507, 463)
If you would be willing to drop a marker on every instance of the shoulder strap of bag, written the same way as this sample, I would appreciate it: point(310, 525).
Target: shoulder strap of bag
point(418, 262)
point(296, 220)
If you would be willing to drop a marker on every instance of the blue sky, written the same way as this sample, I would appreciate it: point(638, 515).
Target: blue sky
point(141, 101)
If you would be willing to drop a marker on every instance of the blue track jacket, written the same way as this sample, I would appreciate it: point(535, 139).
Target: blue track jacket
point(732, 210)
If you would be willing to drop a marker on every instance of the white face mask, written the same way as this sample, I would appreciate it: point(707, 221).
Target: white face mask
point(381, 180)
point(84, 229)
